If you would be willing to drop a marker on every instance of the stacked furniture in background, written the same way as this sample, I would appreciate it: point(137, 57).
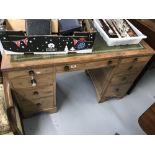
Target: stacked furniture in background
point(4, 122)
point(146, 26)
point(10, 120)
point(38, 26)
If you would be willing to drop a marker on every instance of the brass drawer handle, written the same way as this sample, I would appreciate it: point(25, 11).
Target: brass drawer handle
point(35, 93)
point(34, 83)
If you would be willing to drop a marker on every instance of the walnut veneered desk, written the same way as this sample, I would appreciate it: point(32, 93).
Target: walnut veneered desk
point(112, 70)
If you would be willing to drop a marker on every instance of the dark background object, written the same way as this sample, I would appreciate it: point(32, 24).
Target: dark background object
point(147, 120)
point(38, 26)
point(146, 26)
point(68, 26)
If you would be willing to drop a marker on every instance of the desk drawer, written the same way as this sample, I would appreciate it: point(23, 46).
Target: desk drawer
point(26, 82)
point(86, 65)
point(123, 79)
point(37, 105)
point(136, 59)
point(117, 90)
point(35, 93)
point(26, 72)
point(128, 68)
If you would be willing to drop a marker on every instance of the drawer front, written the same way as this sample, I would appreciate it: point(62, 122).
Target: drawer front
point(87, 65)
point(123, 79)
point(35, 93)
point(27, 82)
point(136, 59)
point(27, 72)
point(37, 105)
point(117, 91)
point(130, 68)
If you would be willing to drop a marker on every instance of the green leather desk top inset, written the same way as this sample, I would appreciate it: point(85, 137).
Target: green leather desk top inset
point(100, 46)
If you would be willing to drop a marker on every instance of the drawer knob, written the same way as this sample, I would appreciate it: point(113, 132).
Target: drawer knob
point(34, 83)
point(135, 59)
point(124, 78)
point(66, 68)
point(109, 62)
point(35, 93)
point(130, 68)
point(31, 72)
point(117, 89)
point(38, 104)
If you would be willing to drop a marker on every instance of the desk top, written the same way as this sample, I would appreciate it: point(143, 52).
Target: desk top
point(100, 46)
point(100, 52)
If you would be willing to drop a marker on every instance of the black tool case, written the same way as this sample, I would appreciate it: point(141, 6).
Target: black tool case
point(19, 42)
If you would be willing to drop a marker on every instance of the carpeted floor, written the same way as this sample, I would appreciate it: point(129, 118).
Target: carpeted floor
point(79, 112)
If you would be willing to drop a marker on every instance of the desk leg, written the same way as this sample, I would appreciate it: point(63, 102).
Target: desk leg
point(7, 92)
point(101, 79)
